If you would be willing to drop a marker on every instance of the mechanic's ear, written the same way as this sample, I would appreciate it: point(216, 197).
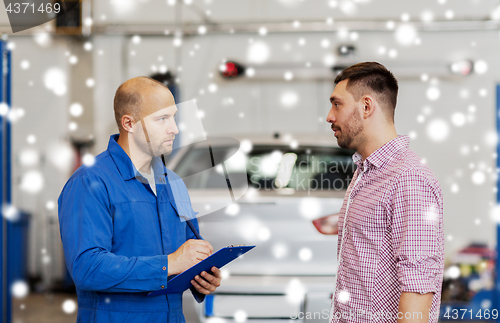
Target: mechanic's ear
point(128, 123)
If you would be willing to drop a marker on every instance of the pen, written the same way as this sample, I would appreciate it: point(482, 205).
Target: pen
point(193, 229)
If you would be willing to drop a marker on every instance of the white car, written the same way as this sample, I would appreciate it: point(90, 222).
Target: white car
point(291, 181)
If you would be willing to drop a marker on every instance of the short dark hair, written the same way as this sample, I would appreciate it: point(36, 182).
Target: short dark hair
point(129, 101)
point(371, 77)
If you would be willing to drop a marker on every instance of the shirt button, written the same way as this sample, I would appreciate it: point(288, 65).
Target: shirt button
point(164, 268)
point(162, 287)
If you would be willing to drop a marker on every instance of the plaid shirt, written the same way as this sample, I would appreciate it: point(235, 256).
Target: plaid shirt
point(392, 240)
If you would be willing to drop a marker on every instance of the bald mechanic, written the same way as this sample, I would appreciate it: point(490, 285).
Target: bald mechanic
point(391, 240)
point(119, 218)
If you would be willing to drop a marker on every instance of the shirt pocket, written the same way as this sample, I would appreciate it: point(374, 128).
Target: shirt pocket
point(184, 209)
point(367, 216)
point(177, 226)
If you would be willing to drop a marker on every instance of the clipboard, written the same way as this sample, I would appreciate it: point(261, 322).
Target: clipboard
point(181, 282)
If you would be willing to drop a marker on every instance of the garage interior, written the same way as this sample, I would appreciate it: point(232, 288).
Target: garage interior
point(283, 56)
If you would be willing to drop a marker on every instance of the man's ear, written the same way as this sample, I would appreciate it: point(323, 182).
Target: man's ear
point(127, 123)
point(369, 105)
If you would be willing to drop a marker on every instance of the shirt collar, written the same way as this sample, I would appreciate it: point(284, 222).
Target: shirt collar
point(382, 155)
point(125, 165)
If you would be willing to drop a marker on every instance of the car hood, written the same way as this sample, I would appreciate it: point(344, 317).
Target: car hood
point(278, 223)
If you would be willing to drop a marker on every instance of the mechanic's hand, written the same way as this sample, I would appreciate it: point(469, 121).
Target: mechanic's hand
point(206, 283)
point(189, 254)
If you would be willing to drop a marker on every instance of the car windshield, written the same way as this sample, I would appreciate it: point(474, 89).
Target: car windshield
point(271, 167)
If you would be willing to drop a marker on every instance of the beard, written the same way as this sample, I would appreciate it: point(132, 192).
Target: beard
point(158, 147)
point(163, 149)
point(350, 131)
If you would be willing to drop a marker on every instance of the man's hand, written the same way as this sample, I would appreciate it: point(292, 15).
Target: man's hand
point(189, 254)
point(206, 283)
